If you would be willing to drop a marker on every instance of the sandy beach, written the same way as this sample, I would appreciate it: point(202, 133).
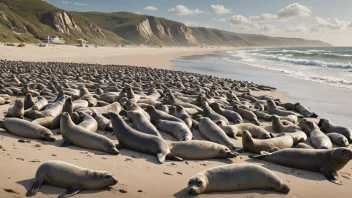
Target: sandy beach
point(139, 175)
point(130, 55)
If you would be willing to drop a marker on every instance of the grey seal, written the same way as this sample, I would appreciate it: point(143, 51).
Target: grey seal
point(236, 177)
point(26, 129)
point(201, 150)
point(257, 145)
point(73, 178)
point(327, 162)
point(141, 142)
point(178, 130)
point(78, 136)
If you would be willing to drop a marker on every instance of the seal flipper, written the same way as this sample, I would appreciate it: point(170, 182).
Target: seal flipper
point(173, 157)
point(66, 143)
point(34, 189)
point(330, 175)
point(71, 192)
point(262, 154)
point(161, 157)
point(273, 150)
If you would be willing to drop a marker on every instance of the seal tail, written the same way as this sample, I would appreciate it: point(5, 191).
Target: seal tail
point(262, 154)
point(1, 124)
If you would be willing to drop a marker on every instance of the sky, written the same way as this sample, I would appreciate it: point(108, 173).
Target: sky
point(326, 20)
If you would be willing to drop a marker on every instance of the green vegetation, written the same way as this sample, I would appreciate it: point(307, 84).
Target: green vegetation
point(30, 20)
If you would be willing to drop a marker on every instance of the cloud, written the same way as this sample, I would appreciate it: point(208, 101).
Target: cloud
point(222, 19)
point(263, 17)
point(242, 20)
point(299, 28)
point(294, 10)
point(80, 4)
point(332, 24)
point(219, 9)
point(151, 8)
point(66, 2)
point(288, 12)
point(182, 10)
point(268, 28)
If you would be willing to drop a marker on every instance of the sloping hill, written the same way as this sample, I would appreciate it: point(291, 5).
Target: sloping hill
point(23, 18)
point(30, 20)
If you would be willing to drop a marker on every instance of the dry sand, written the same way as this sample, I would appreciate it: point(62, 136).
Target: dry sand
point(135, 171)
point(139, 56)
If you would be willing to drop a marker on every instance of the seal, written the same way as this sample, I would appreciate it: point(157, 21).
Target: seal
point(279, 127)
point(73, 178)
point(28, 102)
point(230, 115)
point(304, 111)
point(180, 112)
point(40, 104)
point(78, 136)
point(140, 142)
point(230, 130)
point(79, 104)
point(68, 107)
point(142, 124)
point(178, 130)
point(338, 139)
point(210, 113)
point(87, 122)
point(160, 106)
point(303, 146)
point(327, 162)
point(256, 131)
point(236, 177)
point(114, 107)
point(317, 138)
point(104, 124)
point(329, 127)
point(3, 101)
point(55, 109)
point(26, 129)
point(17, 111)
point(262, 115)
point(214, 133)
point(297, 137)
point(248, 115)
point(201, 150)
point(256, 146)
point(273, 109)
point(131, 106)
point(156, 115)
point(45, 122)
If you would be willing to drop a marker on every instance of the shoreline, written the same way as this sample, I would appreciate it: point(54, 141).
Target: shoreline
point(160, 58)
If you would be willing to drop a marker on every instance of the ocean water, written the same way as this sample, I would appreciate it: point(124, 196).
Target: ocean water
point(331, 66)
point(325, 90)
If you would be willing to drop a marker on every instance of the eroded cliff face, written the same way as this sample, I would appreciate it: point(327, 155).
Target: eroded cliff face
point(144, 29)
point(96, 30)
point(61, 21)
point(164, 32)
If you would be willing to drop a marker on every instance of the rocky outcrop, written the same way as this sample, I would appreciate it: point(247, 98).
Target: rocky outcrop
point(61, 21)
point(96, 30)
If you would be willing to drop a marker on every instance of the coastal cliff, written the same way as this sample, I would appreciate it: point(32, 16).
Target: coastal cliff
point(31, 20)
